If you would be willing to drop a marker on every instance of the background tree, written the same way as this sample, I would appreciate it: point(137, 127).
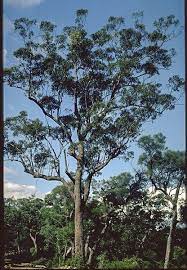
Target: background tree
point(165, 170)
point(110, 197)
point(136, 219)
point(31, 210)
point(125, 225)
point(23, 225)
point(95, 91)
point(15, 230)
point(57, 224)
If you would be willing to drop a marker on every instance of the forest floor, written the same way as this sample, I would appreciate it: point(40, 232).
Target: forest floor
point(29, 266)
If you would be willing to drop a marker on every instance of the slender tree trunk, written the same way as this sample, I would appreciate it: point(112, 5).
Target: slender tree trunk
point(59, 252)
point(93, 249)
point(79, 239)
point(65, 252)
point(33, 238)
point(86, 247)
point(72, 249)
point(169, 247)
point(18, 246)
point(79, 243)
point(90, 258)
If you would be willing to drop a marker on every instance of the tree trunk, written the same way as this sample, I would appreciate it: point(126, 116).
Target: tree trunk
point(65, 252)
point(59, 252)
point(18, 246)
point(72, 249)
point(169, 247)
point(90, 258)
point(79, 243)
point(86, 247)
point(33, 238)
point(93, 249)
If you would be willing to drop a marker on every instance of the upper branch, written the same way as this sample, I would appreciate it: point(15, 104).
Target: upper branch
point(51, 178)
point(51, 117)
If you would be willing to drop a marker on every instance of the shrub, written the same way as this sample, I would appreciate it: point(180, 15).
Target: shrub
point(179, 258)
point(56, 262)
point(102, 260)
point(33, 252)
point(74, 262)
point(128, 263)
point(41, 261)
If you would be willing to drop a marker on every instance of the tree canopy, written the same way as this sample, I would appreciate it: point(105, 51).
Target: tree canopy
point(97, 89)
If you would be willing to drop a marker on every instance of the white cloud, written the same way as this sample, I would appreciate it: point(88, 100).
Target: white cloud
point(12, 189)
point(18, 190)
point(24, 3)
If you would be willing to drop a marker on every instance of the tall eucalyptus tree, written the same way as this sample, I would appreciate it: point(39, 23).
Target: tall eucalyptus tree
point(95, 92)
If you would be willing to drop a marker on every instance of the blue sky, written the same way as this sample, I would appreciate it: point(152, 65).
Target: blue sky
point(61, 12)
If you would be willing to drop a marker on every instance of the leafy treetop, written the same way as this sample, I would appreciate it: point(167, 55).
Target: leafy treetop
point(95, 90)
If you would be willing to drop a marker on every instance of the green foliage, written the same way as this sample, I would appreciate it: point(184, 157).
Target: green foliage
point(131, 263)
point(119, 189)
point(108, 79)
point(40, 261)
point(179, 258)
point(101, 260)
point(95, 91)
point(33, 252)
point(137, 227)
point(75, 262)
point(81, 17)
point(164, 168)
point(23, 224)
point(16, 232)
point(57, 225)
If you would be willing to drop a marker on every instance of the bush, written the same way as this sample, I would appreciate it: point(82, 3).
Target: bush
point(74, 262)
point(41, 261)
point(179, 258)
point(33, 252)
point(102, 260)
point(56, 262)
point(128, 263)
point(49, 263)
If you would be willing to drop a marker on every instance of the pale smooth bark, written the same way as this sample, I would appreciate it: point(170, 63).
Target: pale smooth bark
point(169, 247)
point(33, 238)
point(79, 240)
point(79, 250)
